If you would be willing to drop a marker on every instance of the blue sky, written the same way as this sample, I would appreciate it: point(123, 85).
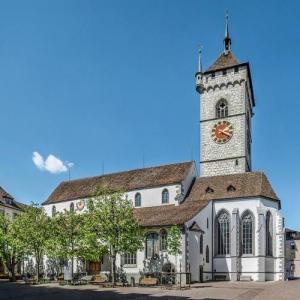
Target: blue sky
point(111, 82)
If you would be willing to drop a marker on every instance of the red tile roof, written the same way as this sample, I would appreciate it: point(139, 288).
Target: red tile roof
point(122, 181)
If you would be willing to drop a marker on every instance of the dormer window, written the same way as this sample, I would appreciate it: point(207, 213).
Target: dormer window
point(209, 190)
point(231, 188)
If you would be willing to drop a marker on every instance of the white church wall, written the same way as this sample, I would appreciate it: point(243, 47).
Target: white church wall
point(195, 259)
point(150, 197)
point(250, 264)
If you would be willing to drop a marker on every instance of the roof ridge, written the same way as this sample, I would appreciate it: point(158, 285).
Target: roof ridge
point(126, 171)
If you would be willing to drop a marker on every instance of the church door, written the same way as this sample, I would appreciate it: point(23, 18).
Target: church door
point(201, 273)
point(94, 267)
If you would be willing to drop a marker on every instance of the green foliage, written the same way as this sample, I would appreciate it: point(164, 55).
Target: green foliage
point(111, 220)
point(33, 230)
point(12, 249)
point(174, 240)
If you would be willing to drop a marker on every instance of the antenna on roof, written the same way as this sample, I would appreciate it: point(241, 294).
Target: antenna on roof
point(69, 166)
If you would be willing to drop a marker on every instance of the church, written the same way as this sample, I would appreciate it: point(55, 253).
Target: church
point(229, 216)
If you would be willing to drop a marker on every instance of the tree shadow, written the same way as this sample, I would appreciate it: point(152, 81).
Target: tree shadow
point(13, 291)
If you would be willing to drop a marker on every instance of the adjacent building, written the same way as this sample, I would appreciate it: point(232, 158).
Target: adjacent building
point(10, 208)
point(292, 254)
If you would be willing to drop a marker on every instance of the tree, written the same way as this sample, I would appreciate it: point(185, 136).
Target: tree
point(174, 242)
point(33, 230)
point(71, 239)
point(111, 219)
point(11, 247)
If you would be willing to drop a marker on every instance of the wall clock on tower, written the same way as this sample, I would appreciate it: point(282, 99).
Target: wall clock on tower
point(222, 132)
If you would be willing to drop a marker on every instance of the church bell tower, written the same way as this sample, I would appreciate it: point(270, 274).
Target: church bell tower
point(226, 110)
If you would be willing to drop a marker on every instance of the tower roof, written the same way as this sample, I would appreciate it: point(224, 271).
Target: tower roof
point(224, 61)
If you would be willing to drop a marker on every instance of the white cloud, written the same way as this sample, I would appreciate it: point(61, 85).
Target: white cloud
point(38, 160)
point(52, 164)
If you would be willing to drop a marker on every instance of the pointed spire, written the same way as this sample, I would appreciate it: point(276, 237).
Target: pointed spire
point(227, 39)
point(200, 60)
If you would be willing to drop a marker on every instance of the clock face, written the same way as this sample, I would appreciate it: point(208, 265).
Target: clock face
point(222, 132)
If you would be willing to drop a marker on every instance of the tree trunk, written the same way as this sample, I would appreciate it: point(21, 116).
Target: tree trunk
point(11, 268)
point(72, 268)
point(37, 269)
point(113, 266)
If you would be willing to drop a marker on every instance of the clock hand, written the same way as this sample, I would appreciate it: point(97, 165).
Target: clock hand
point(224, 132)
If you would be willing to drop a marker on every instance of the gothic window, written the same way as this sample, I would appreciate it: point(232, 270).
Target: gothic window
point(137, 200)
point(201, 244)
point(163, 240)
point(53, 211)
point(152, 245)
point(223, 233)
point(165, 196)
point(247, 233)
point(269, 234)
point(207, 254)
point(129, 259)
point(222, 109)
point(72, 207)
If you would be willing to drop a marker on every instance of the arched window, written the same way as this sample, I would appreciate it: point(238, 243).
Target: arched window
point(201, 244)
point(247, 233)
point(207, 254)
point(223, 233)
point(152, 245)
point(163, 240)
point(137, 200)
point(222, 109)
point(269, 234)
point(53, 211)
point(165, 196)
point(72, 207)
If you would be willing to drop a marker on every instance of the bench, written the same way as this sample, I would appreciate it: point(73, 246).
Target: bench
point(98, 279)
point(86, 279)
point(245, 278)
point(148, 281)
point(220, 277)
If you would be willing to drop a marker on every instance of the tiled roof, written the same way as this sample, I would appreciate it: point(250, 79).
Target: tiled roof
point(4, 194)
point(166, 215)
point(12, 203)
point(205, 189)
point(122, 181)
point(224, 61)
point(250, 184)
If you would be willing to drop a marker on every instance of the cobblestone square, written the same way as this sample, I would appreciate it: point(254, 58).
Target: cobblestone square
point(211, 290)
